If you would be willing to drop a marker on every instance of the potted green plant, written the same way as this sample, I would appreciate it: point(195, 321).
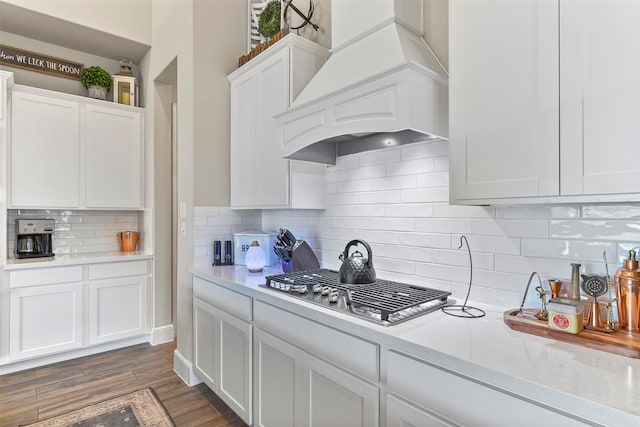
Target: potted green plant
point(97, 81)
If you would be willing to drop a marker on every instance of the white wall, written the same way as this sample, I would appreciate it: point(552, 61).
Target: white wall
point(397, 200)
point(130, 19)
point(46, 81)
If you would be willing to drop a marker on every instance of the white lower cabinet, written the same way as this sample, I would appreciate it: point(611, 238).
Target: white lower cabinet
point(294, 388)
point(332, 397)
point(403, 414)
point(118, 308)
point(462, 401)
point(45, 319)
point(57, 309)
point(277, 374)
point(223, 345)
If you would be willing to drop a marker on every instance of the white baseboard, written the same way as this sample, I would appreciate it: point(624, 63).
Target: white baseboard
point(68, 355)
point(184, 368)
point(162, 335)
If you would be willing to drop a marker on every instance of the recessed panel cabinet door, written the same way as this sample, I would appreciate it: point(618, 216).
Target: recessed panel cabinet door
point(45, 319)
point(600, 97)
point(504, 120)
point(45, 147)
point(278, 382)
point(113, 158)
point(333, 397)
point(244, 156)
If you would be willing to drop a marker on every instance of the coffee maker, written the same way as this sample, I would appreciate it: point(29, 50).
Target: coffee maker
point(34, 237)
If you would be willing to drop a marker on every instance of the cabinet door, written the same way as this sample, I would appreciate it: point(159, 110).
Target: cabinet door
point(117, 308)
point(333, 397)
point(205, 343)
point(273, 98)
point(402, 414)
point(259, 176)
point(45, 319)
point(234, 354)
point(244, 131)
point(504, 112)
point(278, 382)
point(45, 147)
point(599, 88)
point(113, 158)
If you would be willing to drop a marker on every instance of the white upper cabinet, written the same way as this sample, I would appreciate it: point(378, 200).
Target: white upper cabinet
point(599, 97)
point(68, 151)
point(544, 101)
point(113, 151)
point(503, 88)
point(45, 151)
point(260, 89)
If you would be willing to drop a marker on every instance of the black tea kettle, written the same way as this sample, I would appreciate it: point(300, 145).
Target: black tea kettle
point(356, 269)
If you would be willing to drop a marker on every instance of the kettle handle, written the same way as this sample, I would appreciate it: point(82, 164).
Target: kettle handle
point(343, 256)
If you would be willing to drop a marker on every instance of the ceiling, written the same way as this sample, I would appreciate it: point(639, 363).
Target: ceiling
point(38, 26)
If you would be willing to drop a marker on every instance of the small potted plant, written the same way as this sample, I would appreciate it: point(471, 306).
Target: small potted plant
point(97, 81)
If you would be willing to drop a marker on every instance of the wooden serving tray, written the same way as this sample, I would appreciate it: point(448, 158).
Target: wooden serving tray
point(619, 342)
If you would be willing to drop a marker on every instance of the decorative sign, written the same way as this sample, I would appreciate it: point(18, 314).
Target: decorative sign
point(14, 57)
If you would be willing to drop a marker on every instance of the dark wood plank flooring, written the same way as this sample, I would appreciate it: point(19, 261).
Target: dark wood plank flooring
point(45, 392)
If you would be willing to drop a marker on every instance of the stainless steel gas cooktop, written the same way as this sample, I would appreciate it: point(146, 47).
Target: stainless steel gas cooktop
point(383, 302)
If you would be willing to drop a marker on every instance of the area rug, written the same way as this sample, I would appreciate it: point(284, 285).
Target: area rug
point(140, 408)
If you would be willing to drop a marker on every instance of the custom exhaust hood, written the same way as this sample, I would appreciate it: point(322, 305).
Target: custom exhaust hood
point(382, 86)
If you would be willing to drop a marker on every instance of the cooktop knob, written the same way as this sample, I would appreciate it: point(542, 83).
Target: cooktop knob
point(302, 290)
point(326, 290)
point(317, 289)
point(333, 296)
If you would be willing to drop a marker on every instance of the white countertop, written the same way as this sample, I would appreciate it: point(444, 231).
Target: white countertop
point(576, 379)
point(74, 259)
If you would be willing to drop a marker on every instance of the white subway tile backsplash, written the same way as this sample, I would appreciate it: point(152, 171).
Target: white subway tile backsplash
point(411, 167)
point(365, 210)
point(418, 195)
point(425, 149)
point(461, 258)
point(576, 250)
point(511, 227)
point(431, 240)
point(353, 222)
point(380, 157)
point(538, 212)
point(444, 210)
point(394, 224)
point(347, 162)
point(433, 179)
point(441, 163)
point(394, 182)
point(380, 197)
point(612, 211)
point(366, 172)
point(334, 175)
point(397, 200)
point(444, 225)
point(601, 230)
point(415, 210)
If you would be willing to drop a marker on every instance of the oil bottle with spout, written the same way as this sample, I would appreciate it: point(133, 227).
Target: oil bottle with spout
point(627, 281)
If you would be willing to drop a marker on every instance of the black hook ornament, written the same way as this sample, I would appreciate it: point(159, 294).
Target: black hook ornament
point(305, 18)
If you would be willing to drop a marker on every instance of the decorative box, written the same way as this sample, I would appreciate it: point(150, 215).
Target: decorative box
point(242, 242)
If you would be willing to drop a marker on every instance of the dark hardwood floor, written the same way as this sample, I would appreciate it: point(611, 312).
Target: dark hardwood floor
point(45, 392)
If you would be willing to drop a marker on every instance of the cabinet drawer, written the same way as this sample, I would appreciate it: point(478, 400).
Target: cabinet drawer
point(232, 302)
point(346, 351)
point(117, 269)
point(44, 276)
point(431, 388)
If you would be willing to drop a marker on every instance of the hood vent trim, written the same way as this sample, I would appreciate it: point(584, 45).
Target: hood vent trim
point(380, 89)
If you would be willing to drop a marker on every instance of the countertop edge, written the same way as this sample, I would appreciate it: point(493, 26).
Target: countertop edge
point(80, 259)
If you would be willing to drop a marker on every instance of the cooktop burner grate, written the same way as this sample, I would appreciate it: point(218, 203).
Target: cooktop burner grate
point(383, 301)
